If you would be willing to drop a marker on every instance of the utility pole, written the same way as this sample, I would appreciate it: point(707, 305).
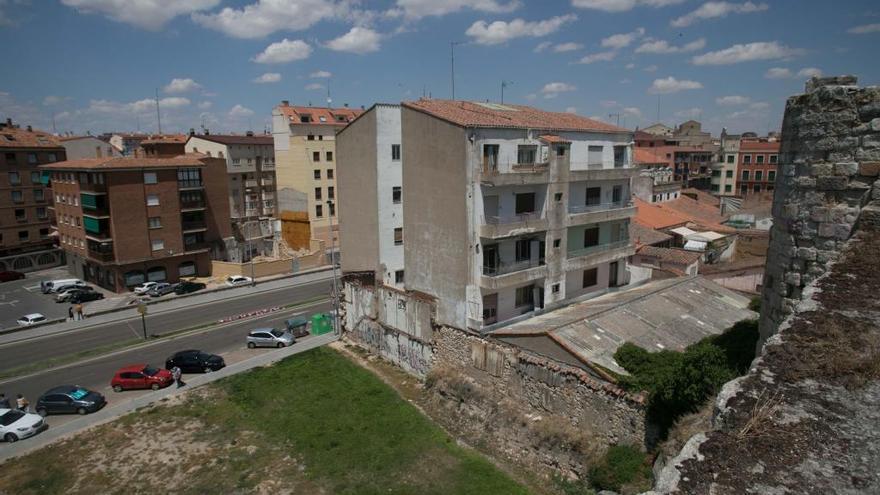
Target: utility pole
point(504, 84)
point(331, 213)
point(158, 117)
point(452, 59)
point(615, 115)
point(142, 309)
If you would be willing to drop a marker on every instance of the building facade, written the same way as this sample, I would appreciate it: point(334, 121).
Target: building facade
point(756, 166)
point(725, 167)
point(77, 147)
point(129, 143)
point(370, 169)
point(123, 221)
point(163, 146)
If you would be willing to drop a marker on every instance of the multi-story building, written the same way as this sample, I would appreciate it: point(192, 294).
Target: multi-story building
point(305, 149)
point(756, 166)
point(691, 133)
point(371, 175)
point(162, 146)
point(87, 147)
point(123, 221)
point(25, 199)
point(128, 142)
point(510, 209)
point(724, 169)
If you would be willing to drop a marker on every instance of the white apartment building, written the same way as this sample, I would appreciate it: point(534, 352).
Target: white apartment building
point(724, 169)
point(370, 171)
point(78, 147)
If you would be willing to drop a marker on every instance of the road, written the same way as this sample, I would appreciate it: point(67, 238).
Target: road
point(21, 297)
point(17, 354)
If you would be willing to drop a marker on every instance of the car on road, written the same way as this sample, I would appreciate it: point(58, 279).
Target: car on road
point(186, 287)
point(67, 292)
point(15, 425)
point(10, 276)
point(193, 361)
point(48, 286)
point(236, 280)
point(160, 289)
point(144, 287)
point(85, 296)
point(68, 399)
point(31, 319)
point(269, 337)
point(140, 376)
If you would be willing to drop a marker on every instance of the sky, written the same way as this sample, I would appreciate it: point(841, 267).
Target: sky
point(98, 65)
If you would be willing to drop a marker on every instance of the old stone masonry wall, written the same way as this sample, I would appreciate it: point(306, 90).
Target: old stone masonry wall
point(827, 182)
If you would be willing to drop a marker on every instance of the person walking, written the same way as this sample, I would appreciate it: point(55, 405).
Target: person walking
point(4, 402)
point(22, 403)
point(178, 376)
point(79, 311)
point(70, 313)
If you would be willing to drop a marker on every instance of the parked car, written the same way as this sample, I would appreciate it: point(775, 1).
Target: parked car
point(140, 376)
point(186, 287)
point(235, 280)
point(47, 286)
point(193, 361)
point(144, 287)
point(269, 337)
point(66, 293)
point(31, 319)
point(160, 289)
point(15, 425)
point(70, 399)
point(10, 276)
point(85, 296)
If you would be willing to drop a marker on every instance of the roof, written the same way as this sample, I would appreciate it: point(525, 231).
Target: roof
point(228, 139)
point(646, 235)
point(701, 196)
point(749, 145)
point(670, 255)
point(494, 115)
point(682, 211)
point(653, 216)
point(128, 162)
point(74, 138)
point(642, 155)
point(319, 115)
point(16, 137)
point(553, 138)
point(682, 231)
point(665, 314)
point(133, 367)
point(166, 139)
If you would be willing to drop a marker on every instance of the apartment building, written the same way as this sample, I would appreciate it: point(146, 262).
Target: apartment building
point(25, 199)
point(160, 146)
point(370, 169)
point(128, 142)
point(123, 221)
point(756, 166)
point(77, 147)
point(510, 209)
point(305, 157)
point(724, 169)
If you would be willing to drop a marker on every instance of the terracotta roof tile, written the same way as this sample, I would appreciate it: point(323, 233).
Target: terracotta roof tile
point(126, 162)
point(319, 115)
point(747, 145)
point(670, 255)
point(643, 235)
point(16, 137)
point(237, 139)
point(653, 216)
point(165, 139)
point(553, 138)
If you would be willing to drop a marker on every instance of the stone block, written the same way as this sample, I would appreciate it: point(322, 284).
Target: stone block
point(808, 254)
point(831, 183)
point(826, 256)
point(820, 214)
point(871, 141)
point(793, 278)
point(847, 143)
point(868, 155)
point(818, 169)
point(846, 168)
point(870, 111)
point(869, 169)
point(874, 125)
point(806, 182)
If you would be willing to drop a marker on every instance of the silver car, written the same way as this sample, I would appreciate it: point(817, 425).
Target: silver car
point(269, 337)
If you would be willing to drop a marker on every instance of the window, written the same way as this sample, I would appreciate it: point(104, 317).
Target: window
point(757, 188)
point(44, 233)
point(32, 158)
point(525, 203)
point(591, 237)
point(729, 174)
point(236, 162)
point(594, 155)
point(490, 157)
point(591, 277)
point(555, 288)
point(23, 235)
point(745, 175)
point(155, 222)
point(398, 277)
point(759, 158)
point(759, 175)
point(150, 178)
point(332, 208)
point(524, 296)
point(35, 177)
point(747, 158)
point(189, 177)
point(714, 188)
point(557, 197)
point(743, 189)
point(774, 158)
point(398, 236)
point(557, 242)
point(14, 178)
point(317, 193)
point(219, 154)
point(728, 188)
point(17, 197)
point(42, 213)
point(771, 175)
point(319, 211)
point(395, 152)
point(316, 156)
point(157, 244)
point(731, 158)
point(310, 137)
point(396, 194)
point(329, 173)
point(329, 156)
point(523, 249)
point(331, 192)
point(318, 174)
point(560, 150)
point(716, 173)
point(526, 154)
point(20, 214)
point(78, 221)
point(10, 157)
point(594, 196)
point(152, 200)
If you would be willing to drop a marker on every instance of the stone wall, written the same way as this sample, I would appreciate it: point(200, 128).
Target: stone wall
point(829, 159)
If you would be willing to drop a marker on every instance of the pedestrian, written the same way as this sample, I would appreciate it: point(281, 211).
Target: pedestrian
point(79, 311)
point(70, 313)
point(22, 403)
point(177, 374)
point(4, 402)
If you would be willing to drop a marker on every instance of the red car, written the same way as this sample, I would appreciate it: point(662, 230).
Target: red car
point(140, 376)
point(10, 276)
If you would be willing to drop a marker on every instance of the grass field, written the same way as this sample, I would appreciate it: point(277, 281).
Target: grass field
point(314, 423)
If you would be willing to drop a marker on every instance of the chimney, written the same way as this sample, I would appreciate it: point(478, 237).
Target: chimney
point(249, 133)
point(30, 129)
point(192, 132)
point(345, 105)
point(8, 122)
point(285, 103)
point(207, 132)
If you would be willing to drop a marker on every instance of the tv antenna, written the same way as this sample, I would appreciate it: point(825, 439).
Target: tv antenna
point(504, 84)
point(615, 115)
point(452, 60)
point(158, 117)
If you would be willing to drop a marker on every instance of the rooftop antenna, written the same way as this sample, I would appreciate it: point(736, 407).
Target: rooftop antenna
point(329, 100)
point(452, 60)
point(158, 116)
point(658, 109)
point(615, 115)
point(504, 84)
point(56, 132)
point(137, 119)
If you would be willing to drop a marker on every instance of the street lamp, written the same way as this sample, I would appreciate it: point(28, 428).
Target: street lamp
point(331, 213)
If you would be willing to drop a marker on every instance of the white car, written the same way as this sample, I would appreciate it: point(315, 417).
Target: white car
point(31, 319)
point(145, 287)
point(236, 280)
point(15, 424)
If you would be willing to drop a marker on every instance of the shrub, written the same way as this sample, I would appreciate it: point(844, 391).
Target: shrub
point(755, 304)
point(621, 465)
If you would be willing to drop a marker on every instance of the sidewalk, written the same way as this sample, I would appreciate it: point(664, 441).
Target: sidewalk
point(117, 409)
point(161, 306)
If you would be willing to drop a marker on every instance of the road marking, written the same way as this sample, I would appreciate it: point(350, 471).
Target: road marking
point(31, 288)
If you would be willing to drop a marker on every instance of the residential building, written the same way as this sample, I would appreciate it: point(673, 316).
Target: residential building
point(87, 147)
point(511, 210)
point(659, 129)
point(756, 166)
point(305, 155)
point(128, 142)
point(123, 221)
point(655, 182)
point(160, 146)
point(691, 133)
point(371, 209)
point(25, 199)
point(724, 169)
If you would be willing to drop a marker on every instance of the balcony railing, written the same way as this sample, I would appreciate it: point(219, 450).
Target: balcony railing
point(190, 184)
point(192, 205)
point(268, 182)
point(577, 253)
point(505, 267)
point(522, 217)
point(530, 167)
point(250, 183)
point(599, 207)
point(101, 256)
point(196, 246)
point(194, 225)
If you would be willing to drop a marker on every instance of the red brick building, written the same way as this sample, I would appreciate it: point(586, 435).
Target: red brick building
point(756, 166)
point(123, 221)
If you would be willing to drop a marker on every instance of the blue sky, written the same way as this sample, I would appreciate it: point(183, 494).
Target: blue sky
point(96, 64)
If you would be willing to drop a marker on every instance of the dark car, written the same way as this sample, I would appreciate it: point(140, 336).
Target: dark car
point(84, 296)
point(161, 289)
point(187, 287)
point(68, 399)
point(193, 361)
point(10, 276)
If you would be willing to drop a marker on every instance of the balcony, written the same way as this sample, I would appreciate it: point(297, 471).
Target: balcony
point(268, 182)
point(531, 167)
point(512, 273)
point(496, 227)
point(190, 184)
point(597, 213)
point(590, 256)
point(93, 188)
point(250, 183)
point(517, 174)
point(196, 246)
point(105, 256)
point(594, 172)
point(192, 205)
point(193, 225)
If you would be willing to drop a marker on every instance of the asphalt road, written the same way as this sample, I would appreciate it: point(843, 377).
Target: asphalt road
point(27, 352)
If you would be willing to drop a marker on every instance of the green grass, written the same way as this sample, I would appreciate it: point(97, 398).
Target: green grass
point(623, 468)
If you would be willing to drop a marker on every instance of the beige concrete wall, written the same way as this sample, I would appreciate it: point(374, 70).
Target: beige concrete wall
point(223, 269)
point(358, 208)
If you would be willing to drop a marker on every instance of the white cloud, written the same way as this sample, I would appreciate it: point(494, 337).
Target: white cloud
point(762, 50)
point(663, 47)
point(864, 29)
point(567, 47)
point(672, 85)
point(204, 105)
point(181, 85)
point(543, 46)
point(759, 105)
point(712, 10)
point(622, 40)
point(689, 113)
point(531, 96)
point(314, 87)
point(553, 89)
point(501, 31)
point(358, 40)
point(416, 9)
point(621, 5)
point(320, 74)
point(809, 72)
point(284, 51)
point(147, 105)
point(598, 57)
point(732, 101)
point(571, 110)
point(146, 14)
point(630, 66)
point(777, 73)
point(267, 78)
point(239, 111)
point(53, 100)
point(608, 103)
point(632, 112)
point(784, 73)
point(651, 68)
point(265, 17)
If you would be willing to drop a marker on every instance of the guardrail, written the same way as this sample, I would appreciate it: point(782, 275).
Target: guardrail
point(511, 267)
point(599, 207)
point(577, 253)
